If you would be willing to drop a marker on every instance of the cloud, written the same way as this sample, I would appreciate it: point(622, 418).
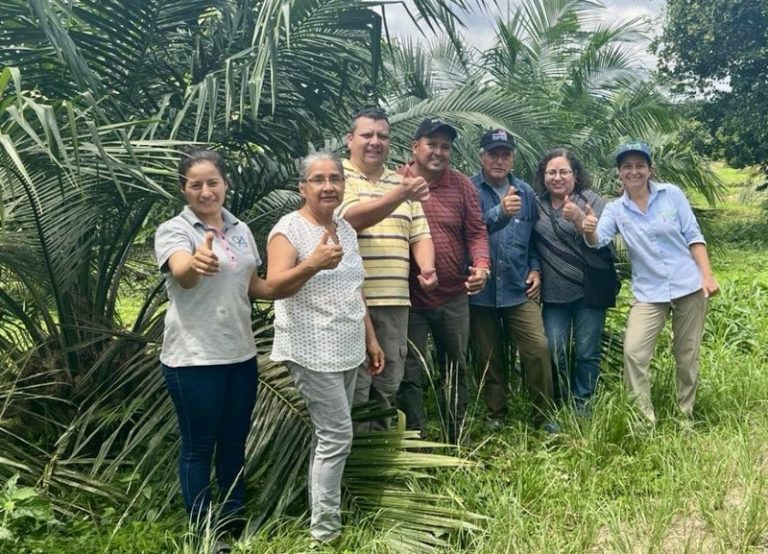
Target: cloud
point(480, 27)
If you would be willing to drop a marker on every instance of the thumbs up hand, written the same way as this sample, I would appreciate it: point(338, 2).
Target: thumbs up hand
point(204, 261)
point(327, 254)
point(415, 188)
point(590, 220)
point(511, 203)
point(571, 210)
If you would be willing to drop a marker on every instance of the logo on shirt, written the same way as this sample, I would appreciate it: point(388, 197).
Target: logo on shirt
point(239, 241)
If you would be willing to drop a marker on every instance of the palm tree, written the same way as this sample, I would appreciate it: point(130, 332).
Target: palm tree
point(104, 96)
point(555, 76)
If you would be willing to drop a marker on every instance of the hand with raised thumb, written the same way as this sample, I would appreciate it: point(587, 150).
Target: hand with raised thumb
point(327, 254)
point(571, 210)
point(204, 261)
point(414, 188)
point(511, 203)
point(590, 220)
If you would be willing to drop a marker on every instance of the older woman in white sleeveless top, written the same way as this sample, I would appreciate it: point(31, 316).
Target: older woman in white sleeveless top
point(323, 333)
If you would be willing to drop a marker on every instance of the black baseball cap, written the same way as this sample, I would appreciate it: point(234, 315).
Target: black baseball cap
point(433, 124)
point(497, 138)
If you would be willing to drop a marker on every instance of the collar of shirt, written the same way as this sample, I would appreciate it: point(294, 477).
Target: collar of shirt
point(350, 170)
point(654, 188)
point(229, 219)
point(483, 180)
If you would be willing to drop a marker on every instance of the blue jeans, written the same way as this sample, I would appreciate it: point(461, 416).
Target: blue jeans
point(214, 406)
point(585, 325)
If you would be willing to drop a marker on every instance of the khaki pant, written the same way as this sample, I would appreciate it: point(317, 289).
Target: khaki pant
point(391, 326)
point(643, 326)
point(490, 329)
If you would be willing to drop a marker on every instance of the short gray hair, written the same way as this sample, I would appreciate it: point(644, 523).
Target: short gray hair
point(319, 156)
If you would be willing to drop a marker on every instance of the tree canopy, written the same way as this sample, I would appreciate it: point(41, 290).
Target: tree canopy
point(96, 99)
point(717, 51)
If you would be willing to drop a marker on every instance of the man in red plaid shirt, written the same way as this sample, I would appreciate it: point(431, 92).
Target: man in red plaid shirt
point(462, 263)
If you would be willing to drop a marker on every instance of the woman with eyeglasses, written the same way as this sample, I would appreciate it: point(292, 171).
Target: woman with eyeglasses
point(570, 324)
point(323, 333)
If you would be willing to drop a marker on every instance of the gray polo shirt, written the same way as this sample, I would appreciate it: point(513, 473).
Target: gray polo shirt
point(209, 324)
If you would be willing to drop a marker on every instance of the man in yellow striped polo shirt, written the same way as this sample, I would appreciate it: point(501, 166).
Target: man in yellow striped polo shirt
point(385, 210)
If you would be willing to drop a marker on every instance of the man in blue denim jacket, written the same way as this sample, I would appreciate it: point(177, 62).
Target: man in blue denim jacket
point(507, 310)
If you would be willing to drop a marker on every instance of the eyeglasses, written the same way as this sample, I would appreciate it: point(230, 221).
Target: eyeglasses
point(556, 172)
point(319, 181)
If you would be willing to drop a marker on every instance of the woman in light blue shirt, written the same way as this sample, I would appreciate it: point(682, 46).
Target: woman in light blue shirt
point(670, 274)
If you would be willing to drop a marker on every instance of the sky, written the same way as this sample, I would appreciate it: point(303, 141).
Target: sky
point(479, 26)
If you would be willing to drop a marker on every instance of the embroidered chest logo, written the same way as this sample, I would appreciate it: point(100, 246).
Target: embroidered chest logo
point(239, 241)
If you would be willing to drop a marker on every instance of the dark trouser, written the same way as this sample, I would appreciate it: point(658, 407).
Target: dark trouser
point(214, 406)
point(449, 327)
point(523, 324)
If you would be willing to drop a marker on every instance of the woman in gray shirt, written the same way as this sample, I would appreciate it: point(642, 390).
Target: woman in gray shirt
point(569, 323)
point(208, 353)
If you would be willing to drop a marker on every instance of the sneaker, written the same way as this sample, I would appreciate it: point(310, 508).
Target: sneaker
point(684, 424)
point(493, 424)
point(643, 426)
point(221, 547)
point(325, 544)
point(550, 427)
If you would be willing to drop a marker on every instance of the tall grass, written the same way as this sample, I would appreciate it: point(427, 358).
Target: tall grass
point(599, 486)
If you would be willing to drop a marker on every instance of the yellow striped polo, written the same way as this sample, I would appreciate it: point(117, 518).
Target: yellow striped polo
point(385, 247)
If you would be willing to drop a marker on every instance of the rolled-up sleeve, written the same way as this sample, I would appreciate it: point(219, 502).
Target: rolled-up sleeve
point(607, 226)
point(689, 227)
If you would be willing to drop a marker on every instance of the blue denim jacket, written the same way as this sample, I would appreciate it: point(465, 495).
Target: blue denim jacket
point(513, 253)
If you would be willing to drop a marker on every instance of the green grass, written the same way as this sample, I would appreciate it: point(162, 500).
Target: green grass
point(735, 177)
point(600, 486)
point(739, 194)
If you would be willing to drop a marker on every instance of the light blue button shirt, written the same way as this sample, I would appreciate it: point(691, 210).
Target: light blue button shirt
point(658, 242)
